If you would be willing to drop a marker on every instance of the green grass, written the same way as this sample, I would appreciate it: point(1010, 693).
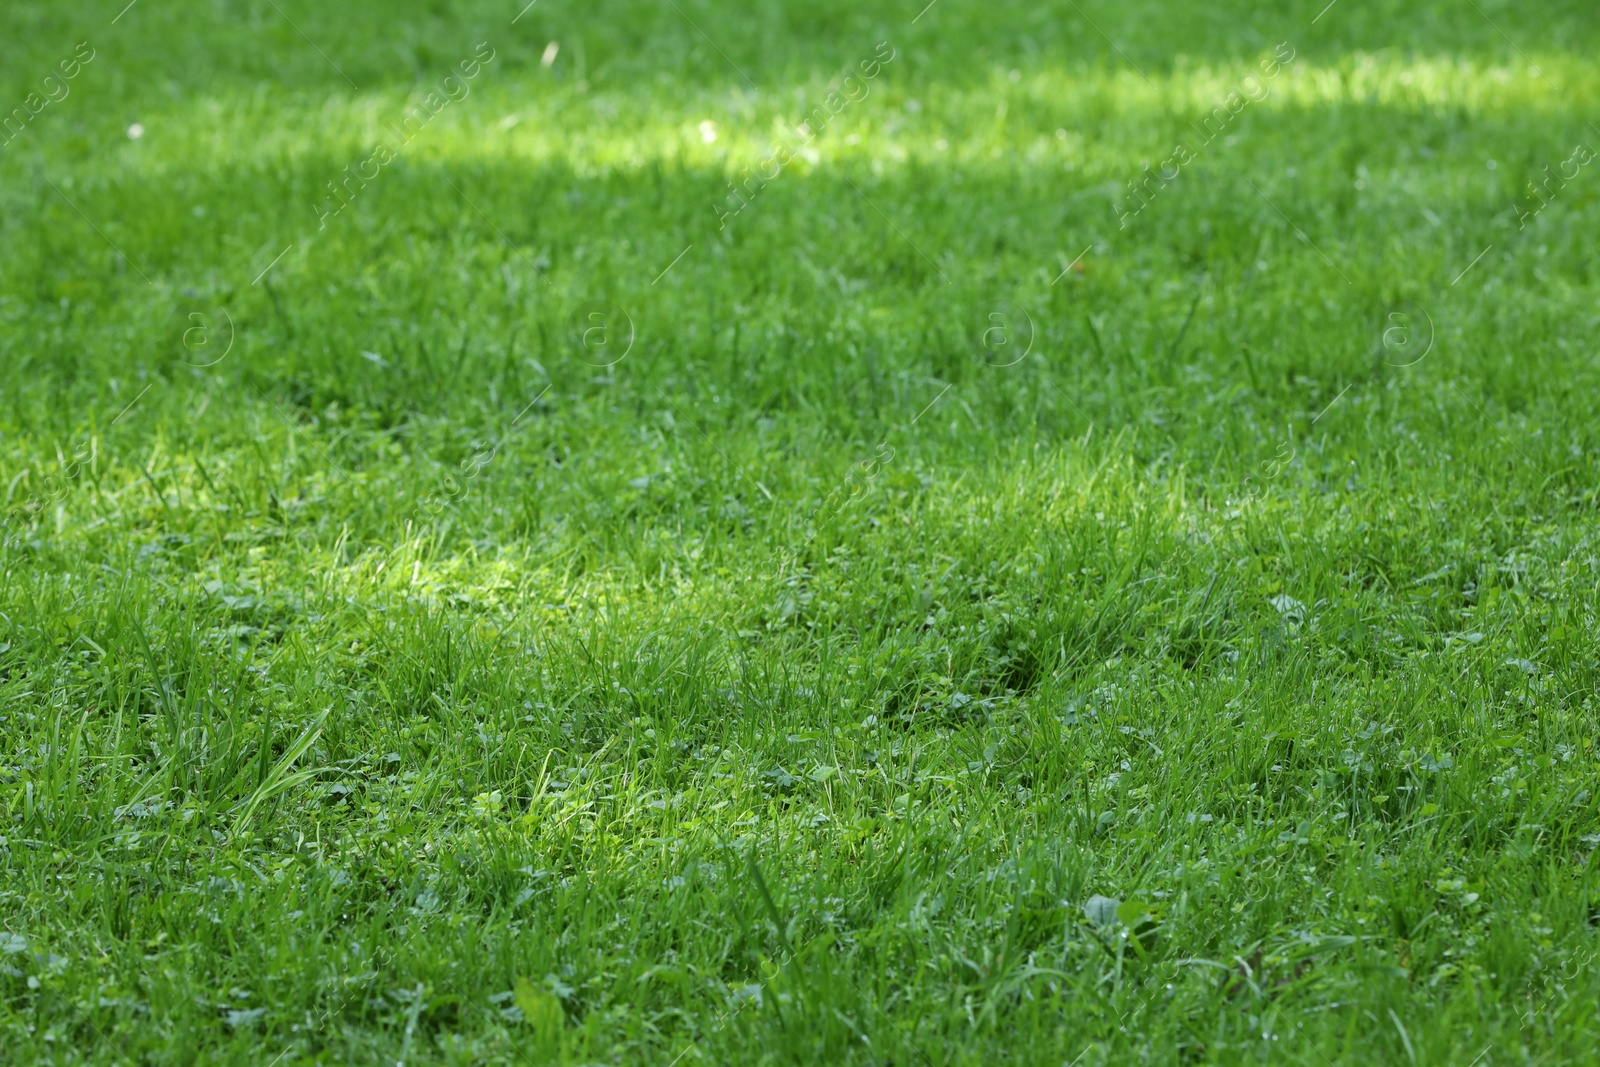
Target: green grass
point(1196, 663)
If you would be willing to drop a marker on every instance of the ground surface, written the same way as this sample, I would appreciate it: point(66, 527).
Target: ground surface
point(946, 611)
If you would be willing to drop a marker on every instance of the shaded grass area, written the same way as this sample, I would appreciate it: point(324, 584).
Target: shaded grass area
point(895, 636)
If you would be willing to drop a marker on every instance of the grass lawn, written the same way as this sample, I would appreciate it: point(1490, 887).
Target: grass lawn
point(673, 531)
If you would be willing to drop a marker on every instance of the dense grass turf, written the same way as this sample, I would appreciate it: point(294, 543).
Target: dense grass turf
point(935, 607)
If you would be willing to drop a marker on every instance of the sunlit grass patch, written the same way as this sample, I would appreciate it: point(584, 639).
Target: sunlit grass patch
point(543, 560)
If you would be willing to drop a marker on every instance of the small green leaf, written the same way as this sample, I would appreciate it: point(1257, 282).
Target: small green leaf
point(541, 1009)
point(1102, 911)
point(1133, 912)
point(822, 774)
